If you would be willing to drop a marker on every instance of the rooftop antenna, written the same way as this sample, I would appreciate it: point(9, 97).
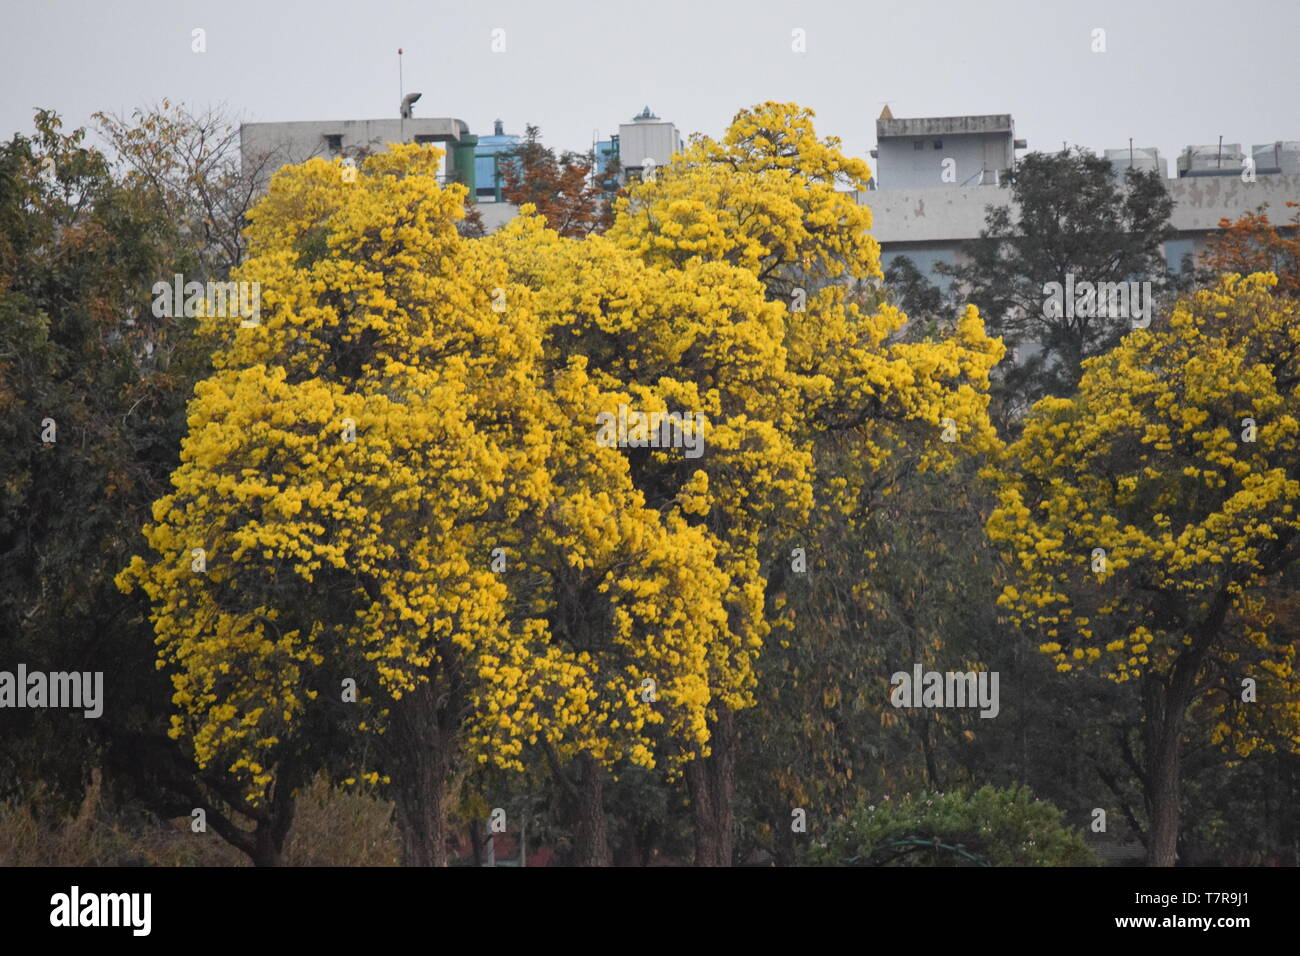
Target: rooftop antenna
point(1130, 152)
point(1220, 150)
point(408, 99)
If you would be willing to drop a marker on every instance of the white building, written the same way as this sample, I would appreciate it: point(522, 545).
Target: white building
point(644, 142)
point(944, 151)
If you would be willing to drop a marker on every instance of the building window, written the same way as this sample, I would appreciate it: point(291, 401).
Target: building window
point(938, 144)
point(918, 144)
point(334, 141)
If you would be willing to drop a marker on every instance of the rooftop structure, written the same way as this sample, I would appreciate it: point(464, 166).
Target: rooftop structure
point(944, 151)
point(1143, 158)
point(266, 147)
point(645, 142)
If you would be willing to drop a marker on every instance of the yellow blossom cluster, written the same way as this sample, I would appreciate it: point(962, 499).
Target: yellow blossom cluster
point(1143, 517)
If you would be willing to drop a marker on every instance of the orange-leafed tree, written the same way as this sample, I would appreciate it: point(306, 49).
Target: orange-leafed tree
point(1252, 243)
point(561, 185)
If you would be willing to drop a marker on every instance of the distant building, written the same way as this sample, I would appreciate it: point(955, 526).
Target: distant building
point(487, 162)
point(606, 151)
point(646, 141)
point(913, 215)
point(1281, 157)
point(944, 151)
point(265, 147)
point(930, 226)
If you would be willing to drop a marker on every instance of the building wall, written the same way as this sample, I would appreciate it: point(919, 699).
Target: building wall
point(653, 140)
point(904, 166)
point(486, 171)
point(956, 214)
point(265, 147)
point(929, 225)
point(922, 214)
point(496, 214)
point(911, 152)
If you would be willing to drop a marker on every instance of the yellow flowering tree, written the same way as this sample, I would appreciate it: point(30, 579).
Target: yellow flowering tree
point(322, 564)
point(722, 290)
point(397, 476)
point(1145, 516)
point(647, 613)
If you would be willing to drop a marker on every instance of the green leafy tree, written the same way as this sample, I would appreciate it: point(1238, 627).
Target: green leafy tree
point(1068, 214)
point(92, 391)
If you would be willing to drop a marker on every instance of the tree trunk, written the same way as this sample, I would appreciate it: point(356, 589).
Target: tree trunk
point(419, 747)
point(420, 802)
point(1163, 787)
point(784, 849)
point(590, 841)
point(267, 851)
point(712, 783)
point(1165, 702)
point(702, 813)
point(269, 837)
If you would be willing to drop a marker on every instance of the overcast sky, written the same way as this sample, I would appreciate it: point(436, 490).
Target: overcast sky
point(1173, 73)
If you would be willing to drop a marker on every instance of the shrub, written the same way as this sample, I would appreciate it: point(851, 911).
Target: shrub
point(989, 827)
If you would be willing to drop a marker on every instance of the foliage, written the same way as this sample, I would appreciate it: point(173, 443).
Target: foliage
point(417, 404)
point(85, 363)
point(188, 163)
point(1148, 463)
point(1068, 214)
point(561, 187)
point(683, 306)
point(326, 556)
point(1147, 522)
point(334, 827)
point(1251, 243)
point(999, 827)
point(912, 291)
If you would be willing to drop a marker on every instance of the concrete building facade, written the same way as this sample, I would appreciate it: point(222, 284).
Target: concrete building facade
point(646, 141)
point(929, 226)
point(265, 147)
point(920, 212)
point(943, 151)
